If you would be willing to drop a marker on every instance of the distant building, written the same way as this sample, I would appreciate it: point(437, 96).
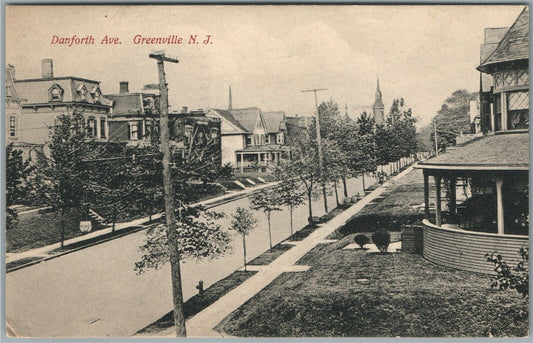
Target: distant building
point(252, 140)
point(378, 109)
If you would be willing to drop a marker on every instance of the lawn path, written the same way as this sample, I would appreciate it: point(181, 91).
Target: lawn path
point(202, 324)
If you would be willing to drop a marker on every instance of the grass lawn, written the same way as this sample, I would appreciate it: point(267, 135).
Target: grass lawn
point(199, 302)
point(270, 255)
point(36, 230)
point(405, 295)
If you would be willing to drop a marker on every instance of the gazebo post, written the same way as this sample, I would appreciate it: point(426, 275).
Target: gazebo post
point(499, 197)
point(453, 196)
point(426, 193)
point(438, 212)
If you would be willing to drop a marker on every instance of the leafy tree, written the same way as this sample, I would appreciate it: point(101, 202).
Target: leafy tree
point(266, 201)
point(290, 193)
point(243, 222)
point(361, 240)
point(199, 235)
point(62, 176)
point(17, 172)
point(381, 239)
point(453, 118)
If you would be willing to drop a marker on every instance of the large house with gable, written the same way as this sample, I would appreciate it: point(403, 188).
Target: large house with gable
point(253, 141)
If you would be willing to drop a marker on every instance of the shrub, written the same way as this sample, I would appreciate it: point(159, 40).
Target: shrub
point(381, 239)
point(372, 222)
point(361, 240)
point(508, 277)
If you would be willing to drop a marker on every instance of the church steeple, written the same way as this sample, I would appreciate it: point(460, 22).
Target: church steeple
point(378, 110)
point(230, 105)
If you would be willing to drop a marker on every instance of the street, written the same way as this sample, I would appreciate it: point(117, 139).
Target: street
point(95, 292)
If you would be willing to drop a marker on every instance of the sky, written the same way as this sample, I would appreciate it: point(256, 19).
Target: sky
point(267, 54)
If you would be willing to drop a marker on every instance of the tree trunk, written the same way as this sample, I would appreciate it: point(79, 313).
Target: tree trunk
point(336, 194)
point(269, 231)
point(290, 212)
point(364, 188)
point(62, 221)
point(244, 249)
point(325, 198)
point(344, 185)
point(309, 204)
point(114, 218)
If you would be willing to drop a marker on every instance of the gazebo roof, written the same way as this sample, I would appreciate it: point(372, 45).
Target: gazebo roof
point(506, 151)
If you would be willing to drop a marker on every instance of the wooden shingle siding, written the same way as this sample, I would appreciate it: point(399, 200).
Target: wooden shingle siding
point(466, 250)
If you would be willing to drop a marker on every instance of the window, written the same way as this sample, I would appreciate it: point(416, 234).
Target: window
point(267, 139)
point(55, 94)
point(518, 110)
point(248, 140)
point(102, 127)
point(214, 133)
point(187, 133)
point(281, 138)
point(134, 131)
point(12, 126)
point(91, 126)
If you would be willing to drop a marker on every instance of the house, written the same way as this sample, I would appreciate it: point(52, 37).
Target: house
point(34, 105)
point(134, 119)
point(483, 184)
point(133, 115)
point(253, 141)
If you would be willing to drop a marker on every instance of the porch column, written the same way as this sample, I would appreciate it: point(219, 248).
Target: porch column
point(438, 212)
point(492, 117)
point(504, 110)
point(426, 194)
point(242, 163)
point(452, 205)
point(144, 128)
point(499, 183)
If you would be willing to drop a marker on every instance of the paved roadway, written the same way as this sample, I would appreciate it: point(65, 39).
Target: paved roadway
point(95, 292)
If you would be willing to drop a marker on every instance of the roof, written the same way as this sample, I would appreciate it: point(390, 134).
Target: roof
point(514, 44)
point(273, 120)
point(128, 103)
point(247, 117)
point(229, 117)
point(505, 151)
point(36, 90)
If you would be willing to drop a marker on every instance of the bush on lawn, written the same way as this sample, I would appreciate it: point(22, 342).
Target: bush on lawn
point(361, 240)
point(381, 239)
point(372, 222)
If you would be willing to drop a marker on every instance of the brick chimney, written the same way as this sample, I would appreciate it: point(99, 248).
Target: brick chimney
point(184, 110)
point(47, 68)
point(124, 87)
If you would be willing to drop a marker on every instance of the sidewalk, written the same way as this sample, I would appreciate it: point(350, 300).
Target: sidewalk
point(203, 324)
point(43, 253)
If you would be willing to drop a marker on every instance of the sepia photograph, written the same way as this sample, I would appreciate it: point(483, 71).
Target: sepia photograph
point(282, 171)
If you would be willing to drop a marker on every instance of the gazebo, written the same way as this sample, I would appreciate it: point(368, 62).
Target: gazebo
point(483, 184)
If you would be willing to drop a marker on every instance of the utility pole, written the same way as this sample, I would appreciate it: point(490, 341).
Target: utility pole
point(177, 293)
point(319, 144)
point(435, 136)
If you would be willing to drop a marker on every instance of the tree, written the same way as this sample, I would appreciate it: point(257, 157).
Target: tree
point(199, 235)
point(17, 172)
point(453, 118)
point(243, 222)
point(267, 202)
point(290, 193)
point(62, 176)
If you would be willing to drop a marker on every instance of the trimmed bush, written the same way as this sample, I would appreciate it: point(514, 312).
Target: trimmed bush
point(361, 240)
point(381, 239)
point(373, 222)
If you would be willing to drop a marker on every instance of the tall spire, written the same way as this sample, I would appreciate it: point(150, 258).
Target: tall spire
point(378, 109)
point(230, 105)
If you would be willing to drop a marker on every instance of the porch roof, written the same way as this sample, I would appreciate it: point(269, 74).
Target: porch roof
point(509, 151)
point(264, 148)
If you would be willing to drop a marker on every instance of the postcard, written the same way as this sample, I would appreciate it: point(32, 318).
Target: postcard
point(266, 171)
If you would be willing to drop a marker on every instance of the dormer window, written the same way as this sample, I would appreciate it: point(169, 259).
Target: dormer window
point(82, 90)
point(95, 93)
point(55, 93)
